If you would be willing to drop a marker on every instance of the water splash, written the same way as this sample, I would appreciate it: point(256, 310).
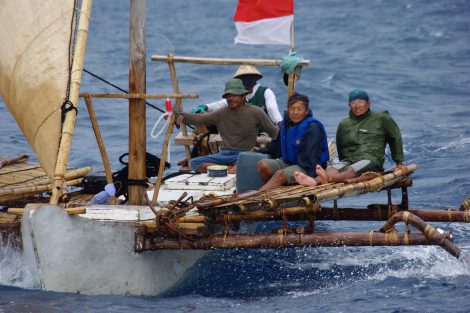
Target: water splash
point(13, 271)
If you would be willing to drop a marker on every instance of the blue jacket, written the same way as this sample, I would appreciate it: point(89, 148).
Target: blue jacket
point(304, 144)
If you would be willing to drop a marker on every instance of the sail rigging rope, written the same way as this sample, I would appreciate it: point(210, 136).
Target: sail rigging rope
point(155, 136)
point(67, 105)
point(123, 90)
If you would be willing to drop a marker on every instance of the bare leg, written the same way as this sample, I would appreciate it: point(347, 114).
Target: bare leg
point(232, 169)
point(304, 179)
point(264, 171)
point(336, 177)
point(363, 177)
point(278, 179)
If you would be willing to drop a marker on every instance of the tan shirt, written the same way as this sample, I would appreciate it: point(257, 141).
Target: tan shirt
point(238, 129)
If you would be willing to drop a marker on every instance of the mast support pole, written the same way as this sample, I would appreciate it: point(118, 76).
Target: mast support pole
point(70, 117)
point(137, 113)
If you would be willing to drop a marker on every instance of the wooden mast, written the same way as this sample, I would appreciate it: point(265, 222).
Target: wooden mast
point(69, 122)
point(137, 113)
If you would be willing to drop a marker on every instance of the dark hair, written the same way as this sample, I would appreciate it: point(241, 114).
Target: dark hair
point(296, 97)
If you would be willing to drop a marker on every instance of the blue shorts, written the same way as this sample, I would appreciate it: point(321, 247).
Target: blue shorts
point(224, 157)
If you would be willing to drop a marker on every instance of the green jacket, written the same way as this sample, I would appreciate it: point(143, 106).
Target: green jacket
point(365, 138)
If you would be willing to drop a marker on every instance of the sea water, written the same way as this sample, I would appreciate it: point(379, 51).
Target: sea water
point(412, 56)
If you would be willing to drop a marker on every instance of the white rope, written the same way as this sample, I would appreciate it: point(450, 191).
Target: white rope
point(166, 115)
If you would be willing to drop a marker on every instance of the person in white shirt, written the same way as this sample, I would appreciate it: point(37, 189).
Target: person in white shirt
point(260, 96)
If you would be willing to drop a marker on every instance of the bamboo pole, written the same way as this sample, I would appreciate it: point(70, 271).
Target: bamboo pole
point(158, 183)
point(290, 84)
point(76, 173)
point(34, 190)
point(19, 159)
point(371, 213)
point(69, 123)
point(375, 184)
point(99, 140)
point(438, 237)
point(176, 89)
point(139, 96)
point(221, 61)
point(137, 112)
point(273, 241)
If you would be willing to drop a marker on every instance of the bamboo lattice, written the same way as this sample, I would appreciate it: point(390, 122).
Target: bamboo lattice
point(304, 196)
point(23, 180)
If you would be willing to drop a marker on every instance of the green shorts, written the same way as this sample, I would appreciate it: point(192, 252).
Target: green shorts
point(360, 167)
point(288, 169)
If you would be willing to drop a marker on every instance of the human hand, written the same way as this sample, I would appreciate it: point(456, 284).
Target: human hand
point(199, 109)
point(177, 110)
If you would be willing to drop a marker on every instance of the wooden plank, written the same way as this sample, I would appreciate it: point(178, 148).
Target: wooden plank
point(70, 211)
point(181, 139)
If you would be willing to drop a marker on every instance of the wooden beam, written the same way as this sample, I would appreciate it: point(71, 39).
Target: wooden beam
point(139, 96)
point(221, 61)
point(179, 104)
point(99, 140)
point(137, 112)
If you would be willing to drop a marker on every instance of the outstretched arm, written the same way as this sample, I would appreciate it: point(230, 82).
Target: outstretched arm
point(271, 107)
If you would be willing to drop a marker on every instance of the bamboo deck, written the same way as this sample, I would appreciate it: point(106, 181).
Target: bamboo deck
point(22, 181)
point(299, 195)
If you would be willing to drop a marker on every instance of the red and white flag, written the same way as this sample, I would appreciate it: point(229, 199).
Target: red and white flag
point(264, 21)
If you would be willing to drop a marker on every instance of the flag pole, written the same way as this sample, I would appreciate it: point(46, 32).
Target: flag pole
point(292, 35)
point(291, 76)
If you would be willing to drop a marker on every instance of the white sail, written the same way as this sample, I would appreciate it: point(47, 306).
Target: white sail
point(35, 40)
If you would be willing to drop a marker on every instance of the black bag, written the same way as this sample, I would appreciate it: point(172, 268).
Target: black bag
point(121, 180)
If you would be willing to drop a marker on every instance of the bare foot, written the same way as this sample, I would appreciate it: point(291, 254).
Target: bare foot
point(322, 175)
point(183, 162)
point(232, 169)
point(304, 179)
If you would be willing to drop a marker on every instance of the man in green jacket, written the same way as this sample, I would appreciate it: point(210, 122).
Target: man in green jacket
point(361, 140)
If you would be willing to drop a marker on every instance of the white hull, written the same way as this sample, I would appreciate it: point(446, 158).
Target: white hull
point(75, 254)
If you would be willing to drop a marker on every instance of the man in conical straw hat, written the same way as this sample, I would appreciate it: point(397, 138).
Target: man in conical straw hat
point(258, 95)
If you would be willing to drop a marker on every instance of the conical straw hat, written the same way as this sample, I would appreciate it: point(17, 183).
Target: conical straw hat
point(247, 70)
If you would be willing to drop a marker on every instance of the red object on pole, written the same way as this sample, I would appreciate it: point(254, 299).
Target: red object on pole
point(168, 105)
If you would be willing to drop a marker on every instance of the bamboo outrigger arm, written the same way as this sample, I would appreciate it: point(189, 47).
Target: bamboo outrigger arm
point(435, 235)
point(221, 61)
point(70, 116)
point(387, 236)
point(291, 240)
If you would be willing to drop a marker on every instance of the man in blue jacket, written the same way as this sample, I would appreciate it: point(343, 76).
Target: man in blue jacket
point(302, 144)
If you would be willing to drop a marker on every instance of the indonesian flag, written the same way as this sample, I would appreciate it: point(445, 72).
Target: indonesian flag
point(264, 21)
